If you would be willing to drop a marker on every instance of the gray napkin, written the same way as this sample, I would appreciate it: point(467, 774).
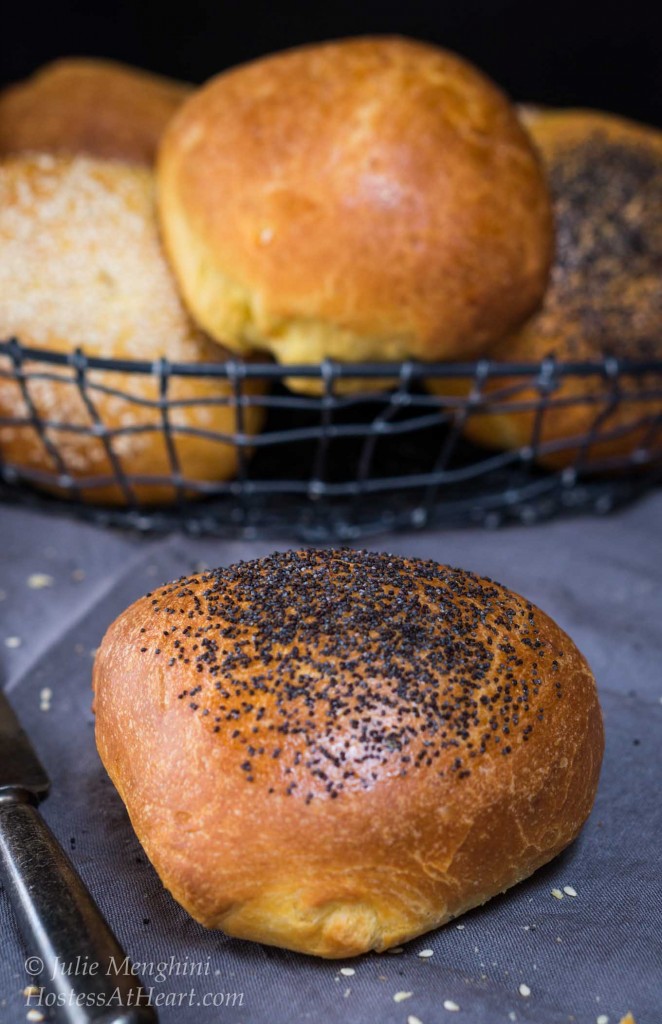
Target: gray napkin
point(595, 954)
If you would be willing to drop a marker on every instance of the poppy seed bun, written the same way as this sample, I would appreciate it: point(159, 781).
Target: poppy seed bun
point(604, 298)
point(368, 199)
point(81, 266)
point(97, 107)
point(338, 750)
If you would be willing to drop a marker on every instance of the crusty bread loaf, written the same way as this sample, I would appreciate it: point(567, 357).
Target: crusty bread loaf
point(604, 299)
point(336, 751)
point(368, 199)
point(81, 266)
point(83, 105)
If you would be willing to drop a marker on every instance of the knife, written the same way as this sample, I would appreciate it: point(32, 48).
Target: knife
point(81, 971)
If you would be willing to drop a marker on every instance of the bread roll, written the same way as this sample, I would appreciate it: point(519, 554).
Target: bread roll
point(98, 107)
point(336, 751)
point(81, 266)
point(605, 297)
point(369, 199)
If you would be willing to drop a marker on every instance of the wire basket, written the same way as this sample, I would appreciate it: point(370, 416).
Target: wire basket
point(342, 464)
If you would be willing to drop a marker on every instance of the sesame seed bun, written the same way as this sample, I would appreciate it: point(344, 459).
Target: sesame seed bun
point(341, 750)
point(368, 199)
point(81, 266)
point(97, 107)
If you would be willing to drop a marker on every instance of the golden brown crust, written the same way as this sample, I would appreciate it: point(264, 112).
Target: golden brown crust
point(373, 198)
point(604, 297)
point(340, 750)
point(84, 105)
point(81, 266)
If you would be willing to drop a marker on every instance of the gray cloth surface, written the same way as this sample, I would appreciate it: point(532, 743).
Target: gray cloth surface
point(599, 953)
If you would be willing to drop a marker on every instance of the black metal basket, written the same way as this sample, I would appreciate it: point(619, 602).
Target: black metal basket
point(341, 465)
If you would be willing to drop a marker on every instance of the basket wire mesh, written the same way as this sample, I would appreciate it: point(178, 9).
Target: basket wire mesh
point(342, 464)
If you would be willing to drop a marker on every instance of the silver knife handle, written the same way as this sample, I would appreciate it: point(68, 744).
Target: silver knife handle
point(62, 927)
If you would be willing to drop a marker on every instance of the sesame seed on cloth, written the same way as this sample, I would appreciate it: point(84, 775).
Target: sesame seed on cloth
point(40, 580)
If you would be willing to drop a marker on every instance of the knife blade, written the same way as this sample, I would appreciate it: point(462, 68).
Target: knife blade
point(19, 765)
point(60, 923)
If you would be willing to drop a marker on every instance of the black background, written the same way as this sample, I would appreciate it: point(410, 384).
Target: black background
point(604, 55)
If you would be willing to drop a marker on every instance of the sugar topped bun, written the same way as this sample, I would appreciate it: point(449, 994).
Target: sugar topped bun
point(81, 266)
point(605, 297)
point(368, 199)
point(81, 105)
point(338, 750)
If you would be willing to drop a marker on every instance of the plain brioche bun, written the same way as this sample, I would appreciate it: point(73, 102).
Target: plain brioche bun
point(604, 299)
point(368, 199)
point(82, 105)
point(81, 266)
point(336, 751)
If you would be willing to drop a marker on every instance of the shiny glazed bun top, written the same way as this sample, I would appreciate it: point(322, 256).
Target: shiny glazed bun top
point(85, 105)
point(341, 750)
point(371, 198)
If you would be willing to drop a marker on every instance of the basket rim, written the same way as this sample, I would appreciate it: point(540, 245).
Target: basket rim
point(329, 369)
